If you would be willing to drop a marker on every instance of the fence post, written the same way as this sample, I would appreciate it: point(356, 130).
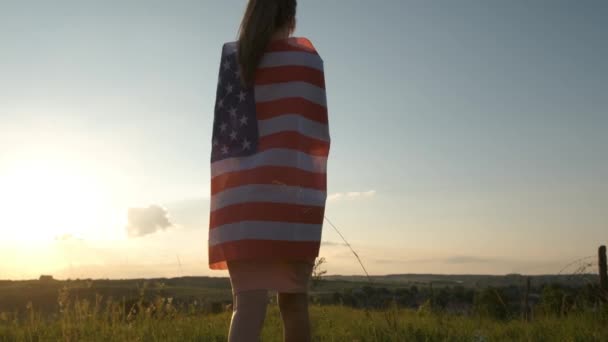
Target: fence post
point(526, 301)
point(603, 272)
point(432, 295)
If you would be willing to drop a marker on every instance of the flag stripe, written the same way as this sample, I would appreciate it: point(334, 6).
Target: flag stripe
point(277, 59)
point(290, 73)
point(292, 44)
point(264, 230)
point(267, 211)
point(268, 193)
point(294, 123)
point(269, 175)
point(271, 157)
point(260, 249)
point(291, 105)
point(294, 141)
point(277, 91)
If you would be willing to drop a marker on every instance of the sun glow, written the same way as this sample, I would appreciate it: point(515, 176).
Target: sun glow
point(42, 199)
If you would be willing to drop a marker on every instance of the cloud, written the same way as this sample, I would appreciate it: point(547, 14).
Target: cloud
point(353, 195)
point(144, 221)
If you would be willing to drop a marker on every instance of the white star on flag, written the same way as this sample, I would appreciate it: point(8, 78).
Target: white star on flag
point(233, 135)
point(223, 127)
point(232, 112)
point(227, 65)
point(246, 144)
point(224, 149)
point(241, 96)
point(229, 88)
point(243, 120)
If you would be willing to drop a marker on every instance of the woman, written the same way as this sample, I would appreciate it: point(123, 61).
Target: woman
point(268, 169)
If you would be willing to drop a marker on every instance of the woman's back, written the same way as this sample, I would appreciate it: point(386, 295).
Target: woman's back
point(269, 156)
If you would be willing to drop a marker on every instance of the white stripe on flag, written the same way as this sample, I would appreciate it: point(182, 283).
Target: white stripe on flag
point(278, 91)
point(264, 230)
point(272, 157)
point(277, 59)
point(294, 122)
point(268, 193)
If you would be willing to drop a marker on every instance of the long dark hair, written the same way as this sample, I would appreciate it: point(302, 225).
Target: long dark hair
point(261, 20)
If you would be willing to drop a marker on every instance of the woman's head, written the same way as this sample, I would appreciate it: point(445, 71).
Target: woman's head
point(262, 19)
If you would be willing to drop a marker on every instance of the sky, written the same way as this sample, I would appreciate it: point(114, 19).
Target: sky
point(468, 137)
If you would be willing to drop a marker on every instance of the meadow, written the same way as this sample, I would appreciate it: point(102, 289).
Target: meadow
point(84, 322)
point(176, 310)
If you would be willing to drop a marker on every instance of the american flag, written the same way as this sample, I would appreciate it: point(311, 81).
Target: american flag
point(269, 154)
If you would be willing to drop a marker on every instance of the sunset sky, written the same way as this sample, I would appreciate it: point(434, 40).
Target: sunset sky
point(467, 136)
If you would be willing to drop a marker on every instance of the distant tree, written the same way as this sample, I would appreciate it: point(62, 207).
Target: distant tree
point(348, 298)
point(554, 300)
point(368, 290)
point(46, 278)
point(414, 290)
point(460, 294)
point(441, 298)
point(490, 302)
point(337, 298)
point(404, 297)
point(587, 296)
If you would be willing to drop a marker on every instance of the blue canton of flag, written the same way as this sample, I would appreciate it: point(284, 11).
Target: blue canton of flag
point(235, 131)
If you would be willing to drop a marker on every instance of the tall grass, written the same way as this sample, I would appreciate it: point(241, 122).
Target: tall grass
point(113, 320)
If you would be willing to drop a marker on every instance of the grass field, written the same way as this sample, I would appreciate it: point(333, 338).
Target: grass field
point(192, 309)
point(83, 322)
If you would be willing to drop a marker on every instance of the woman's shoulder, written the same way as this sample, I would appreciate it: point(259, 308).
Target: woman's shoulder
point(295, 44)
point(229, 48)
point(291, 44)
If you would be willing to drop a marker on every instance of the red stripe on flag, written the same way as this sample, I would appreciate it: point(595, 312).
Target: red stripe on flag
point(267, 211)
point(291, 44)
point(291, 73)
point(277, 175)
point(261, 249)
point(291, 105)
point(294, 141)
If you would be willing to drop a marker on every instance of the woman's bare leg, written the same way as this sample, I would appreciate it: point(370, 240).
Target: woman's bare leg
point(248, 313)
point(294, 312)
